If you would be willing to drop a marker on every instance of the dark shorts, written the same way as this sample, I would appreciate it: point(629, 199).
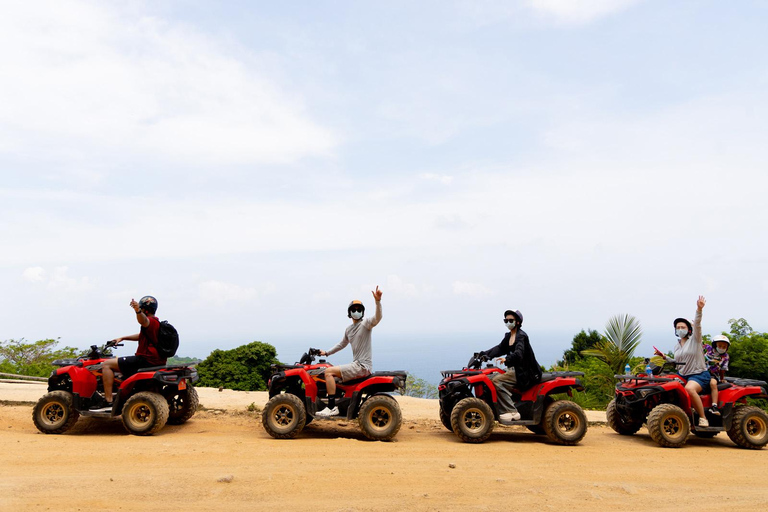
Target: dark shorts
point(702, 379)
point(131, 364)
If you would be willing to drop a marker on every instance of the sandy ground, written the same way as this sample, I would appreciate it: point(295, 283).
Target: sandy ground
point(223, 460)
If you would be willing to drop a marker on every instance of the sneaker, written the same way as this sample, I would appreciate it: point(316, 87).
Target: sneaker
point(714, 410)
point(105, 407)
point(327, 413)
point(703, 422)
point(509, 416)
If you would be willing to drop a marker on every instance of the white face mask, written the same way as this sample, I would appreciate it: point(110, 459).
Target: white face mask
point(356, 315)
point(510, 324)
point(681, 333)
point(721, 350)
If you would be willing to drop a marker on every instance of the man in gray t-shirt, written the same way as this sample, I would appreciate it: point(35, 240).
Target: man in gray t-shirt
point(359, 336)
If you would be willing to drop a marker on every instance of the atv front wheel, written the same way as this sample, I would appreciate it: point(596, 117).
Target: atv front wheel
point(618, 423)
point(472, 420)
point(749, 428)
point(445, 419)
point(54, 413)
point(380, 418)
point(565, 422)
point(284, 416)
point(145, 413)
point(668, 425)
point(182, 404)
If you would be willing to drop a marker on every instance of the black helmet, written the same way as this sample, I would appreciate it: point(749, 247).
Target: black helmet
point(148, 303)
point(685, 321)
point(516, 313)
point(356, 304)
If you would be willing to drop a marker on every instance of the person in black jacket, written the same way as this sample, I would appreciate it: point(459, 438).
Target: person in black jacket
point(523, 371)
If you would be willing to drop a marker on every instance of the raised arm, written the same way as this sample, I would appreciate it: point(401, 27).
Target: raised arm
point(696, 334)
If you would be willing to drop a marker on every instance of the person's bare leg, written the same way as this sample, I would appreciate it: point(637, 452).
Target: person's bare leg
point(108, 368)
point(693, 391)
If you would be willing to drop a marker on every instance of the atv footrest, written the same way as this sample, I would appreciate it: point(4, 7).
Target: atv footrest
point(709, 429)
point(517, 422)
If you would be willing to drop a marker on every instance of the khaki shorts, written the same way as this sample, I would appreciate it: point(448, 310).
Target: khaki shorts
point(352, 370)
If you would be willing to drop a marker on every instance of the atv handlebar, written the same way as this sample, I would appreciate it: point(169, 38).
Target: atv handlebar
point(309, 356)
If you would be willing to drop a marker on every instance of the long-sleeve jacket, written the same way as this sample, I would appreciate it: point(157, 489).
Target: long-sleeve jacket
point(689, 352)
point(520, 356)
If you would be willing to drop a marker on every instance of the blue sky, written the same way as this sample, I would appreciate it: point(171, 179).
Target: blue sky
point(256, 165)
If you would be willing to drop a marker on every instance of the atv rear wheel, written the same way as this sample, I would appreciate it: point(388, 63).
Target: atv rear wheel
point(182, 404)
point(284, 416)
point(668, 425)
point(472, 420)
point(749, 428)
point(619, 424)
point(54, 413)
point(145, 413)
point(380, 418)
point(565, 422)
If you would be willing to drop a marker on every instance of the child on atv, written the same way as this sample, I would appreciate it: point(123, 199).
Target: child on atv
point(523, 370)
point(359, 336)
point(717, 358)
point(146, 354)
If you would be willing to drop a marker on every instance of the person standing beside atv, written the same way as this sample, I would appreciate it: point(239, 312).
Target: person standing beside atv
point(359, 336)
point(689, 352)
point(146, 354)
point(523, 369)
point(717, 358)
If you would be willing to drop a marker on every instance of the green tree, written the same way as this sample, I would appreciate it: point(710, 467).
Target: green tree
point(34, 359)
point(582, 341)
point(419, 388)
point(622, 336)
point(182, 360)
point(245, 368)
point(748, 352)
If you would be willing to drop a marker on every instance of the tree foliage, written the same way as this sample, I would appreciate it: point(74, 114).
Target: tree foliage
point(245, 368)
point(582, 341)
point(419, 388)
point(617, 347)
point(32, 358)
point(748, 352)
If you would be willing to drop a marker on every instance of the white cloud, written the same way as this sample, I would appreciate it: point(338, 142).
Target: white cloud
point(60, 279)
point(471, 289)
point(440, 178)
point(219, 291)
point(85, 80)
point(579, 11)
point(398, 286)
point(34, 274)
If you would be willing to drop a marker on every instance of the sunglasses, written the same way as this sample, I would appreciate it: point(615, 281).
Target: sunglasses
point(509, 320)
point(356, 308)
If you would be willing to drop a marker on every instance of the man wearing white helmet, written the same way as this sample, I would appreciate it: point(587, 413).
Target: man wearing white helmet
point(717, 358)
point(359, 336)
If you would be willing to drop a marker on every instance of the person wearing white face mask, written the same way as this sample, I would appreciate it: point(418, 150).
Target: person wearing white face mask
point(717, 358)
point(689, 352)
point(359, 336)
point(523, 371)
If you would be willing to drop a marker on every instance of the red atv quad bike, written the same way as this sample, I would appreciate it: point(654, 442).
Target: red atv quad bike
point(145, 400)
point(298, 391)
point(662, 403)
point(468, 405)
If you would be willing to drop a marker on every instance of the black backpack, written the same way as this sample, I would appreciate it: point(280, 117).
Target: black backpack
point(167, 340)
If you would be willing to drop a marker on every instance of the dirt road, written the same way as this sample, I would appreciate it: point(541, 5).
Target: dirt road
point(223, 460)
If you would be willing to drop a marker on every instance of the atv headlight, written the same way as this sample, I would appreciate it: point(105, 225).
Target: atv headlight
point(644, 392)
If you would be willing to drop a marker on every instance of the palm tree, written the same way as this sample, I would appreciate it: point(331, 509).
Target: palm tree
point(617, 346)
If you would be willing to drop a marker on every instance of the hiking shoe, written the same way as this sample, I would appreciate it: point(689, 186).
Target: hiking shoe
point(703, 422)
point(714, 410)
point(327, 413)
point(509, 416)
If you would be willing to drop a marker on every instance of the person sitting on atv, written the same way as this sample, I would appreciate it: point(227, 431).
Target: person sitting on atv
point(359, 336)
point(523, 369)
point(146, 354)
point(717, 358)
point(689, 352)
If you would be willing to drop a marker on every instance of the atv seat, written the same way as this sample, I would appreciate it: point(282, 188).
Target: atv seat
point(399, 373)
point(720, 387)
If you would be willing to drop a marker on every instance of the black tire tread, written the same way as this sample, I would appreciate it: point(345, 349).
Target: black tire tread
point(61, 396)
point(458, 411)
point(554, 410)
point(736, 432)
point(615, 422)
point(191, 402)
point(157, 402)
point(397, 421)
point(296, 403)
point(655, 419)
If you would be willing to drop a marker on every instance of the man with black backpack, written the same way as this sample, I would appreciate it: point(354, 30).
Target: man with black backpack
point(148, 353)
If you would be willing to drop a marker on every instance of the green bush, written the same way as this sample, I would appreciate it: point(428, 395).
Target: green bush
point(245, 368)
